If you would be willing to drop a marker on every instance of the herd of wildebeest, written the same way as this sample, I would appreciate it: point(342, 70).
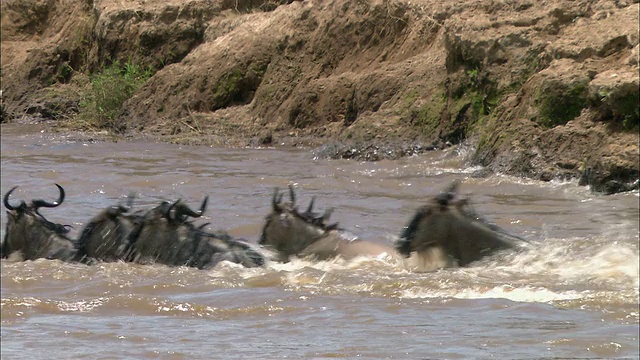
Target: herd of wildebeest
point(167, 234)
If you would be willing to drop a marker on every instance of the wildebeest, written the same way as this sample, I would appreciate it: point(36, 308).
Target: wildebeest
point(448, 224)
point(30, 236)
point(167, 237)
point(109, 235)
point(163, 235)
point(290, 232)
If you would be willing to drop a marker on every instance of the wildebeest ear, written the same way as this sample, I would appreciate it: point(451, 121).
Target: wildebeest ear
point(116, 211)
point(426, 211)
point(62, 229)
point(130, 199)
point(333, 226)
point(462, 202)
point(327, 214)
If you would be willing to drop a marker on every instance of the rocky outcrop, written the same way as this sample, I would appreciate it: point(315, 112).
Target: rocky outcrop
point(543, 90)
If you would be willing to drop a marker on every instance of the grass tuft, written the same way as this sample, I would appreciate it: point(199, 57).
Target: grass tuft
point(115, 84)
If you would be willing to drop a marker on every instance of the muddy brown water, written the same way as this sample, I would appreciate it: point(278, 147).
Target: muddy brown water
point(573, 295)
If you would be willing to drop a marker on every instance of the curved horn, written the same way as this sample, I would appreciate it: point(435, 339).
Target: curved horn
point(6, 200)
point(166, 210)
point(275, 200)
point(309, 210)
point(453, 187)
point(42, 203)
point(292, 195)
point(183, 209)
point(445, 197)
point(203, 207)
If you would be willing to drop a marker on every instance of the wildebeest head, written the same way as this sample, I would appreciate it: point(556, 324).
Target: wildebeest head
point(450, 224)
point(32, 234)
point(212, 248)
point(289, 231)
point(179, 212)
point(166, 235)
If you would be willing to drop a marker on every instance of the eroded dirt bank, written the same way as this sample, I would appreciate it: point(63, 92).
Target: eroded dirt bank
point(541, 89)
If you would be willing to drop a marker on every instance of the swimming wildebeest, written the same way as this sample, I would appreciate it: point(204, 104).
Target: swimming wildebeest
point(31, 236)
point(449, 225)
point(167, 237)
point(290, 232)
point(109, 235)
point(164, 235)
point(161, 235)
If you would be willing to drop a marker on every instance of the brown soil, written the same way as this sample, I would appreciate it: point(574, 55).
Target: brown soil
point(541, 89)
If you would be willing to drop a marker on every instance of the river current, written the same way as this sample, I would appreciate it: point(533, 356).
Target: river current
point(574, 294)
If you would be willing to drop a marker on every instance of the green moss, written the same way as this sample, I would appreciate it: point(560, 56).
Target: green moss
point(259, 68)
point(427, 116)
point(626, 110)
point(237, 86)
point(618, 104)
point(472, 97)
point(483, 103)
point(409, 98)
point(559, 102)
point(227, 89)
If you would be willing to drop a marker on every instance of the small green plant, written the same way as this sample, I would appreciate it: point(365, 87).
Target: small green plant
point(473, 78)
point(482, 93)
point(109, 90)
point(64, 73)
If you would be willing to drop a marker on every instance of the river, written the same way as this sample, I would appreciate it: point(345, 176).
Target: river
point(574, 294)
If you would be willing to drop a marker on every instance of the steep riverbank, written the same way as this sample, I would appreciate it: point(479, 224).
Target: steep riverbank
point(541, 90)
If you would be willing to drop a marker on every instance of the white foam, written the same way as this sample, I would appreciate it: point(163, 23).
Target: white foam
point(572, 261)
point(81, 306)
point(298, 264)
point(429, 260)
point(519, 294)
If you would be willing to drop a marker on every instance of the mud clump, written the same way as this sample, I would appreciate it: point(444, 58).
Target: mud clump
point(539, 90)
